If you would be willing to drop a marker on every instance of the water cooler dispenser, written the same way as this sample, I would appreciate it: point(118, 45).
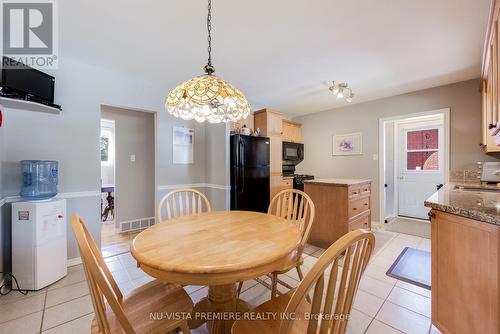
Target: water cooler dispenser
point(39, 224)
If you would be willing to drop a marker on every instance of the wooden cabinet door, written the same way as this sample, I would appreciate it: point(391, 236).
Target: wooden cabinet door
point(292, 132)
point(484, 113)
point(274, 124)
point(276, 152)
point(297, 134)
point(287, 132)
point(465, 275)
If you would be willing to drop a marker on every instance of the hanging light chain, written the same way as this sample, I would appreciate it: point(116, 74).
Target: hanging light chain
point(209, 69)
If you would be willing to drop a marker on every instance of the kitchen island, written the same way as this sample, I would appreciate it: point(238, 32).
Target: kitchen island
point(465, 233)
point(342, 205)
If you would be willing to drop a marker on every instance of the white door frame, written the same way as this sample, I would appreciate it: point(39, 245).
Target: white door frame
point(382, 153)
point(156, 146)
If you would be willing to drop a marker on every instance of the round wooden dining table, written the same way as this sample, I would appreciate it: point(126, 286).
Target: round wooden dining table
point(216, 249)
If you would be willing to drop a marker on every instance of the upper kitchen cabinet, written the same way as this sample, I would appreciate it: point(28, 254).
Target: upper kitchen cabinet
point(269, 122)
point(490, 88)
point(292, 131)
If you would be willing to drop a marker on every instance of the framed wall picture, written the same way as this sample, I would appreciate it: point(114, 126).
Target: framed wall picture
point(348, 144)
point(182, 142)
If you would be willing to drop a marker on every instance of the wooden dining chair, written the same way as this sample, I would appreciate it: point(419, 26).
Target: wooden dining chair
point(134, 313)
point(298, 209)
point(183, 202)
point(333, 282)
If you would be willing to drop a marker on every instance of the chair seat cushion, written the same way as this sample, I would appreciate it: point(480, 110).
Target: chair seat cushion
point(152, 300)
point(272, 324)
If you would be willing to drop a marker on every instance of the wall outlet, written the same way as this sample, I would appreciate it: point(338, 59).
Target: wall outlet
point(132, 158)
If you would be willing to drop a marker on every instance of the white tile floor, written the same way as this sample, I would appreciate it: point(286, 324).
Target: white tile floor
point(383, 304)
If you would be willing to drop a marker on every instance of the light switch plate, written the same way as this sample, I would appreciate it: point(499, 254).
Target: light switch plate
point(375, 157)
point(132, 158)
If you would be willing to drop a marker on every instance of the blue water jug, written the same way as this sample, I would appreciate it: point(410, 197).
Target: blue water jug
point(39, 179)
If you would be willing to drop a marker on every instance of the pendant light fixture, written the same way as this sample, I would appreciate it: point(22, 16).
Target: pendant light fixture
point(208, 97)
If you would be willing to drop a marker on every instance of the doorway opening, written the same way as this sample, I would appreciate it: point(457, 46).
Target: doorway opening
point(128, 182)
point(414, 164)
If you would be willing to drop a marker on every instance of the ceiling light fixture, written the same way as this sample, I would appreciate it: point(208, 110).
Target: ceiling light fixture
point(208, 97)
point(342, 90)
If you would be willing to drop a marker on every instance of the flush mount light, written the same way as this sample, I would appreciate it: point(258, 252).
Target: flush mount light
point(342, 90)
point(208, 97)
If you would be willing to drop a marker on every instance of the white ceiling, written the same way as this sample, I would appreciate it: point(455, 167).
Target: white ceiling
point(283, 53)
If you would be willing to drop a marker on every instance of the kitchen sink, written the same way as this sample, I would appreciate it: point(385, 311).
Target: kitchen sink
point(476, 188)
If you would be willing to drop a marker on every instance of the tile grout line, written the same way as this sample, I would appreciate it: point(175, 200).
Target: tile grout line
point(387, 298)
point(67, 301)
point(65, 322)
point(17, 318)
point(43, 310)
point(378, 311)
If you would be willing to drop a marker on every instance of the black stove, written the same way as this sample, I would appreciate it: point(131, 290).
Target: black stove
point(298, 179)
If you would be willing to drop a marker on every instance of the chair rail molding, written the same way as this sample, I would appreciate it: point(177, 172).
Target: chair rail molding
point(194, 185)
point(76, 194)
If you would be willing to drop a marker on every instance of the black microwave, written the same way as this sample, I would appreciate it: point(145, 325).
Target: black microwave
point(293, 152)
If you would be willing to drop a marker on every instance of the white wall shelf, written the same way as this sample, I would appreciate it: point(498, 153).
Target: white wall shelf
point(28, 105)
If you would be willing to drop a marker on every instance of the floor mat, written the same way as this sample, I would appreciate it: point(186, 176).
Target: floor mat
point(412, 266)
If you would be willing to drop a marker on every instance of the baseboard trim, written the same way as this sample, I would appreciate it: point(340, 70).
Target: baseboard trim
point(73, 262)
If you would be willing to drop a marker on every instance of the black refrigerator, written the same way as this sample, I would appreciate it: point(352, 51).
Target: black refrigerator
point(249, 173)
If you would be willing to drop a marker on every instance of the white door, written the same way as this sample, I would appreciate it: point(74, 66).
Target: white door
point(420, 166)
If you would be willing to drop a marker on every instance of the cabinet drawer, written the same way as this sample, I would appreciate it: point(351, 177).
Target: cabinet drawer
point(360, 223)
point(359, 206)
point(287, 183)
point(354, 192)
point(365, 189)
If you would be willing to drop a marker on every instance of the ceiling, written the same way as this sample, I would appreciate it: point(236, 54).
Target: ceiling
point(283, 54)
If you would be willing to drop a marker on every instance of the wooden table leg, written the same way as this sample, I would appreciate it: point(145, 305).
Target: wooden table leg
point(222, 300)
point(221, 303)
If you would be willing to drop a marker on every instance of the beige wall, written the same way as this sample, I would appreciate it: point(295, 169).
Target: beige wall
point(462, 98)
point(135, 181)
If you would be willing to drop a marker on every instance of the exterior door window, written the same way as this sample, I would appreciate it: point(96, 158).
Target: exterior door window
point(422, 150)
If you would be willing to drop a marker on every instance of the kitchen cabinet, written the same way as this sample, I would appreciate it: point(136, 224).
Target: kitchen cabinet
point(292, 131)
point(281, 183)
point(465, 274)
point(490, 85)
point(342, 205)
point(270, 124)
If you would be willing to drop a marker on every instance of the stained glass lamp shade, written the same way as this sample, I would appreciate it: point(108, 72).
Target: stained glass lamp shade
point(207, 98)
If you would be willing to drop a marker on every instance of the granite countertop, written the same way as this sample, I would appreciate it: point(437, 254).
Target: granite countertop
point(339, 182)
point(475, 204)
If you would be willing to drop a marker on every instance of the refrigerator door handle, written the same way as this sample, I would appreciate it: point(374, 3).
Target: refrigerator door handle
point(242, 181)
point(240, 151)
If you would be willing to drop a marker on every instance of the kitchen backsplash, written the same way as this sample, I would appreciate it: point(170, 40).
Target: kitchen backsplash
point(466, 176)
